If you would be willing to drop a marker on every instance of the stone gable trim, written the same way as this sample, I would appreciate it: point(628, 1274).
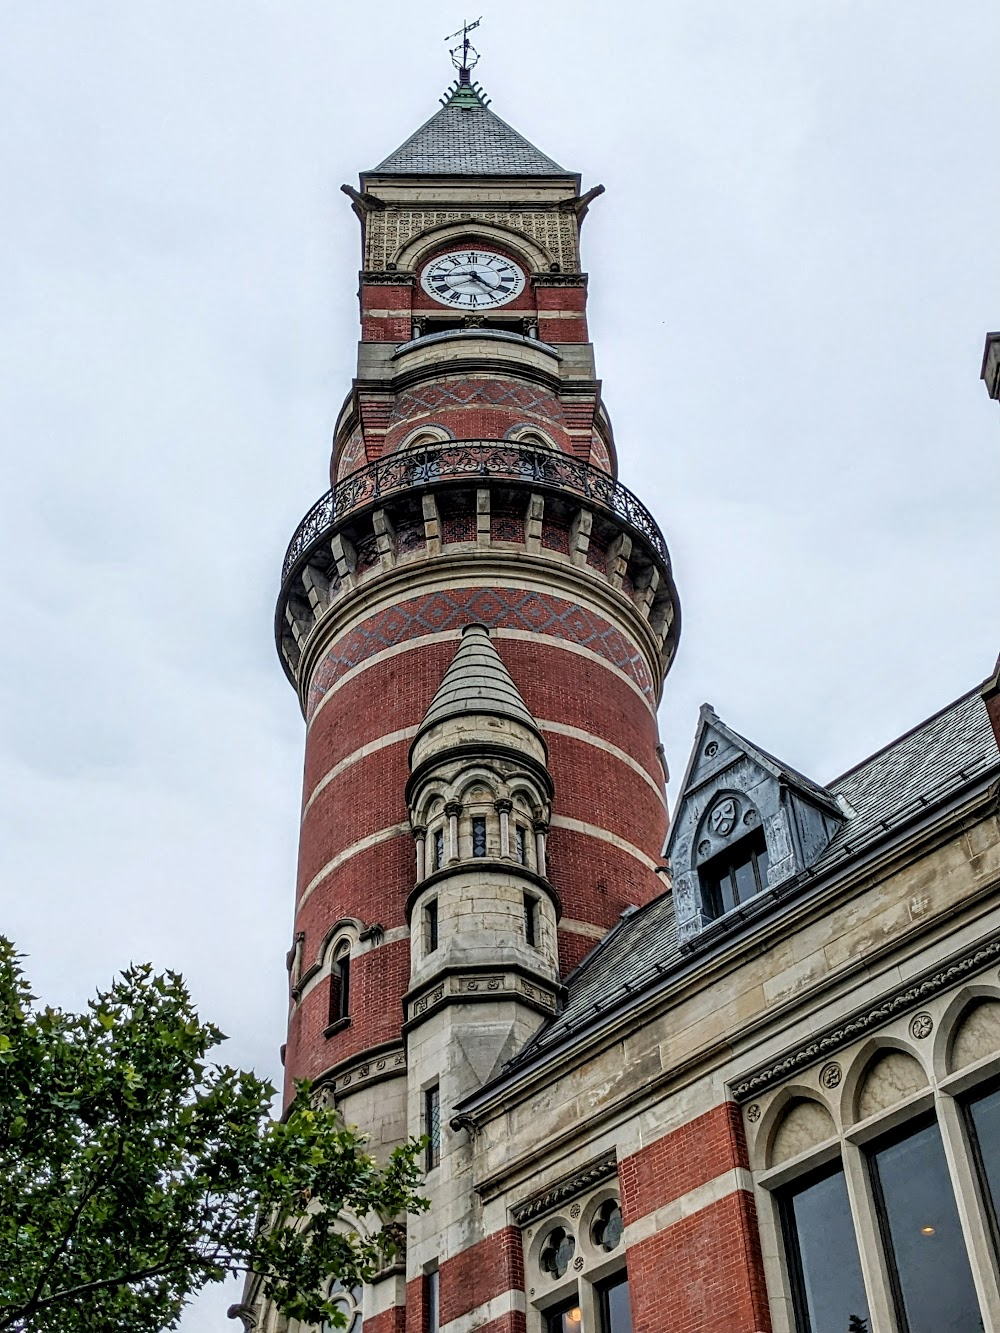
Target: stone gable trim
point(584, 1178)
point(865, 1020)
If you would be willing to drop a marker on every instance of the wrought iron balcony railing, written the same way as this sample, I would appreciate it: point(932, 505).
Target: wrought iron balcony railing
point(500, 459)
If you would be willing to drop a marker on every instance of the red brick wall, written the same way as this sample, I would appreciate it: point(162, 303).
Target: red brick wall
point(682, 1160)
point(594, 878)
point(389, 1321)
point(704, 1273)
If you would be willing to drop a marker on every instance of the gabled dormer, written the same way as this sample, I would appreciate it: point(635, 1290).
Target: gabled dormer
point(745, 825)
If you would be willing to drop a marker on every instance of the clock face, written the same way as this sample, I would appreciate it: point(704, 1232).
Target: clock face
point(472, 279)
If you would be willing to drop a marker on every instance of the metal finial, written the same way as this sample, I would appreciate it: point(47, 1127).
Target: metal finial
point(461, 52)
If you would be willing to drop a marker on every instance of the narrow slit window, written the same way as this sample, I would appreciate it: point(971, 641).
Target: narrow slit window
point(432, 1126)
point(340, 987)
point(432, 1301)
point(531, 919)
point(479, 836)
point(520, 844)
point(438, 848)
point(431, 926)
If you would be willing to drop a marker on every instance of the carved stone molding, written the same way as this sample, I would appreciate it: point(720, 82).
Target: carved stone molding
point(577, 1182)
point(462, 988)
point(362, 1071)
point(866, 1020)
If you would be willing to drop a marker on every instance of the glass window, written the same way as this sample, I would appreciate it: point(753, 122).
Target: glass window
point(827, 1287)
point(530, 918)
point(431, 926)
point(983, 1116)
point(613, 1302)
point(565, 1318)
point(557, 1251)
point(520, 844)
point(734, 875)
point(438, 849)
point(348, 1301)
point(432, 1126)
point(432, 1301)
point(340, 987)
point(479, 836)
point(607, 1226)
point(932, 1280)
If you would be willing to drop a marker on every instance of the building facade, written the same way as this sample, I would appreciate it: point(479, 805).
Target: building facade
point(729, 1075)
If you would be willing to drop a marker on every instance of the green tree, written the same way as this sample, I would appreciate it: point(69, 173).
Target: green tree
point(133, 1172)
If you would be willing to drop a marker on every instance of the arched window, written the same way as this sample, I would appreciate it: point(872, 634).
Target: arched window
point(340, 985)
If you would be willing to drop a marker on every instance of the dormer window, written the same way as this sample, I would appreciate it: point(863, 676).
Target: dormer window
point(735, 875)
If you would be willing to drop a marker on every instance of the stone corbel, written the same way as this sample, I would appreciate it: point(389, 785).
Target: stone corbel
point(385, 539)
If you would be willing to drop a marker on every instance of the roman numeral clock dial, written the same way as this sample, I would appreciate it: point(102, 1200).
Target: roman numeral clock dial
point(472, 279)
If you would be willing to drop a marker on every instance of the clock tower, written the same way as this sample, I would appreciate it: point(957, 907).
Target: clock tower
point(477, 620)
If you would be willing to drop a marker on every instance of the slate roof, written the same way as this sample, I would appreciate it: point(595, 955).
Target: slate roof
point(465, 138)
point(477, 682)
point(914, 773)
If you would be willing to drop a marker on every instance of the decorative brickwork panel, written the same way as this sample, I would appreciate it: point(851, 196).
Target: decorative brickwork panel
point(458, 528)
point(389, 230)
point(352, 455)
point(679, 1162)
point(410, 537)
point(497, 608)
point(704, 1274)
point(507, 527)
point(477, 408)
point(555, 537)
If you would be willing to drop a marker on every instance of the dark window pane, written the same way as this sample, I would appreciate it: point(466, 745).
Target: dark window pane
point(432, 1126)
point(616, 1311)
point(727, 892)
point(923, 1237)
point(521, 845)
point(984, 1116)
point(762, 864)
point(439, 849)
point(479, 836)
point(746, 882)
point(530, 911)
point(431, 925)
point(432, 1302)
point(823, 1259)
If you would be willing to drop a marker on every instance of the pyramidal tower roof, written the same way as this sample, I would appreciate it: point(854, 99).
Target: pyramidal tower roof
point(465, 138)
point(477, 682)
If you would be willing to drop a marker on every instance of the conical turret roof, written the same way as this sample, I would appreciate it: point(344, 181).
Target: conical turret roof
point(465, 138)
point(477, 682)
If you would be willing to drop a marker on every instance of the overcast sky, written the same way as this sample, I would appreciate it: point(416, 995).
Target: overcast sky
point(792, 273)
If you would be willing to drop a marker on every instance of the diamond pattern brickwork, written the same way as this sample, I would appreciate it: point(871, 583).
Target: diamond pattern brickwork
point(497, 608)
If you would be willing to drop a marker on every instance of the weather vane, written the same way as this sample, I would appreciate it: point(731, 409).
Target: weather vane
point(461, 62)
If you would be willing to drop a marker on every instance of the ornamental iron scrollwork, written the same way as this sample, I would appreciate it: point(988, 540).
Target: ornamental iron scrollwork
point(507, 459)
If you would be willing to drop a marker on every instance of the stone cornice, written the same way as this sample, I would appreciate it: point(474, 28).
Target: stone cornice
point(567, 1187)
point(463, 984)
point(871, 1017)
point(387, 1060)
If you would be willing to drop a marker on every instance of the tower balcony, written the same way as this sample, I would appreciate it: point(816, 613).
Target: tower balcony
point(478, 499)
